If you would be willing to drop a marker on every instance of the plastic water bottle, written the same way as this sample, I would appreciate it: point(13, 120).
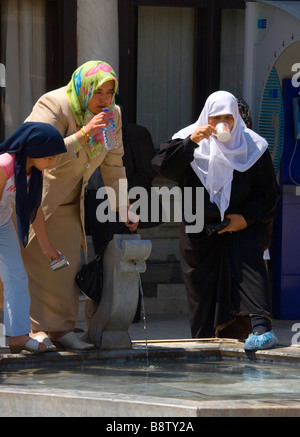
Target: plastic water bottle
point(110, 133)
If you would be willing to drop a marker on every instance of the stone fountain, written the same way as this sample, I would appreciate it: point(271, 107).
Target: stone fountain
point(108, 322)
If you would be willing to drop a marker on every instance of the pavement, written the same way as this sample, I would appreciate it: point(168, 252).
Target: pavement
point(175, 327)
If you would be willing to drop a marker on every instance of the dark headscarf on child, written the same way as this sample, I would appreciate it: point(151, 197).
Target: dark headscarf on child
point(34, 140)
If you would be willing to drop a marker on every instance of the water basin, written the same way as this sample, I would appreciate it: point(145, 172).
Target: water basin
point(190, 379)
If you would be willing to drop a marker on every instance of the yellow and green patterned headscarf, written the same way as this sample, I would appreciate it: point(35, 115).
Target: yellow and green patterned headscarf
point(84, 83)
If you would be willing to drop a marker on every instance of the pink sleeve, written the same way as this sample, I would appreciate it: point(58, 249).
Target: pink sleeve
point(7, 162)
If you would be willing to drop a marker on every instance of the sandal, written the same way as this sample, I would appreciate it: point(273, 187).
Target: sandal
point(32, 346)
point(72, 341)
point(43, 338)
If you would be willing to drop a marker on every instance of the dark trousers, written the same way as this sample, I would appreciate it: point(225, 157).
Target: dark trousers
point(225, 276)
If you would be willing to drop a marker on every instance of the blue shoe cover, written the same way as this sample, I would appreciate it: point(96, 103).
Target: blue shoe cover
point(263, 341)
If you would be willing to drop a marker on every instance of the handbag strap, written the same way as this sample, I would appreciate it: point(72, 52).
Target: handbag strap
point(98, 257)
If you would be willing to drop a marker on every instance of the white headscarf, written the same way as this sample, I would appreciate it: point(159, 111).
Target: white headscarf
point(214, 161)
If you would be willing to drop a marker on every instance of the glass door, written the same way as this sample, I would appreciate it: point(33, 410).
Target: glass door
point(165, 70)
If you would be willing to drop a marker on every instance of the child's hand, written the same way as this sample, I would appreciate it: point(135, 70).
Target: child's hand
point(51, 253)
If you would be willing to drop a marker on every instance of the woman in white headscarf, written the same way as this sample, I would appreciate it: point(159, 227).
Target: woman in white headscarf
point(224, 270)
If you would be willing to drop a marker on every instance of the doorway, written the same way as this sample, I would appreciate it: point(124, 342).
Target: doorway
point(164, 70)
point(173, 55)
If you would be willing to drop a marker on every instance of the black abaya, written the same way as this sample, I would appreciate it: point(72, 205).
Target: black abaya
point(224, 274)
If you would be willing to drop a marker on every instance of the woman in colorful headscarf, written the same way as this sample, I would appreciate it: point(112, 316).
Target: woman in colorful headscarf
point(223, 266)
point(76, 111)
point(23, 157)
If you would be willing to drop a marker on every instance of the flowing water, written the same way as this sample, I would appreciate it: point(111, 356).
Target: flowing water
point(144, 318)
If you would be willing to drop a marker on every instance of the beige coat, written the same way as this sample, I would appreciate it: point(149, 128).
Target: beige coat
point(54, 295)
point(72, 167)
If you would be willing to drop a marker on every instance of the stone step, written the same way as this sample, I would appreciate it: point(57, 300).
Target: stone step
point(162, 282)
point(170, 299)
point(164, 249)
point(167, 299)
point(163, 264)
point(167, 272)
point(165, 230)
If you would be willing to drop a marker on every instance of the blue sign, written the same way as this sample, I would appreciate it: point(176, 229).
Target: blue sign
point(262, 23)
point(273, 93)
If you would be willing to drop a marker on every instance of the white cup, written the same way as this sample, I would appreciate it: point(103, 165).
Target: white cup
point(223, 132)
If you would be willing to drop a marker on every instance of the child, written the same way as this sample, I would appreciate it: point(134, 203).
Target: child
point(23, 157)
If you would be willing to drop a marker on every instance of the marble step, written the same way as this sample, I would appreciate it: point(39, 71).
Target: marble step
point(169, 299)
point(166, 299)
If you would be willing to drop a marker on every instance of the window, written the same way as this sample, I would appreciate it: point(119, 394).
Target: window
point(36, 54)
point(164, 70)
point(23, 48)
point(171, 47)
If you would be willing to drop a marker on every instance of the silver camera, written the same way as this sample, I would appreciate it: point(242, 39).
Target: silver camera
point(57, 265)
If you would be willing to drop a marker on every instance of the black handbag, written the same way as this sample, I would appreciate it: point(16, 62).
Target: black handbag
point(90, 279)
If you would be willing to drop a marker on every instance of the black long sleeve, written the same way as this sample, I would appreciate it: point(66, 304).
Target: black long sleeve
point(173, 158)
point(138, 152)
point(261, 205)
